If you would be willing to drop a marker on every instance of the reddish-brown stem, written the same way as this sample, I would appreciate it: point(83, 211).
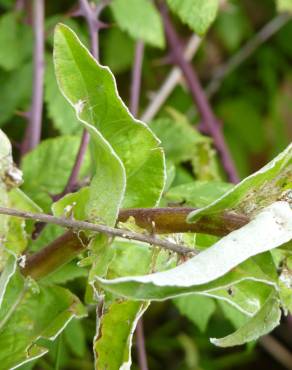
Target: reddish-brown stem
point(210, 122)
point(53, 256)
point(173, 220)
point(33, 131)
point(58, 252)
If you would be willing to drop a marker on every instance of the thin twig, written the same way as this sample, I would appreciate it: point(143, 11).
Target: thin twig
point(77, 165)
point(142, 356)
point(164, 220)
point(136, 78)
point(211, 125)
point(244, 53)
point(170, 82)
point(277, 351)
point(33, 131)
point(221, 72)
point(111, 231)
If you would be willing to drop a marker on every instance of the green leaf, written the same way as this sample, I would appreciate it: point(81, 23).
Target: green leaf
point(182, 142)
point(232, 27)
point(18, 35)
point(60, 112)
point(252, 135)
point(236, 318)
point(255, 192)
point(75, 338)
point(5, 164)
point(43, 178)
point(30, 313)
point(113, 346)
point(93, 93)
point(197, 309)
point(247, 296)
point(10, 178)
point(269, 229)
point(107, 187)
point(267, 318)
point(140, 19)
point(198, 193)
point(284, 5)
point(7, 274)
point(197, 14)
point(117, 50)
point(13, 99)
point(18, 228)
point(66, 273)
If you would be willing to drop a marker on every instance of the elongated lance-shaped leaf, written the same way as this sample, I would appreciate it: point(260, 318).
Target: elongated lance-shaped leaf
point(266, 319)
point(113, 345)
point(30, 312)
point(92, 90)
point(271, 183)
point(108, 185)
point(270, 228)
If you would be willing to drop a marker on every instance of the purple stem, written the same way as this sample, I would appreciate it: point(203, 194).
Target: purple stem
point(19, 5)
point(77, 165)
point(211, 124)
point(91, 15)
point(142, 357)
point(136, 78)
point(33, 131)
point(134, 107)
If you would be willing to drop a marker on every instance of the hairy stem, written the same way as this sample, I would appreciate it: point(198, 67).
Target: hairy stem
point(211, 125)
point(56, 254)
point(171, 220)
point(156, 220)
point(33, 131)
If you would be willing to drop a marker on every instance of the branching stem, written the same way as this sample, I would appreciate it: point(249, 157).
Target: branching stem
point(74, 241)
point(83, 225)
point(211, 125)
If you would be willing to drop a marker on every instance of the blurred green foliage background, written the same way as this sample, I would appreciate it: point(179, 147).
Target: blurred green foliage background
point(254, 105)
